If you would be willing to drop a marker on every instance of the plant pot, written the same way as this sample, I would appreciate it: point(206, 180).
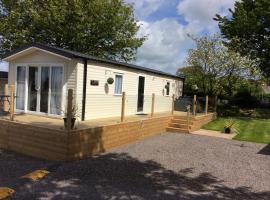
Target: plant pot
point(110, 80)
point(227, 130)
point(73, 120)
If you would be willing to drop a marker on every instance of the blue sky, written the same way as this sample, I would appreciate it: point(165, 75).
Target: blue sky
point(167, 23)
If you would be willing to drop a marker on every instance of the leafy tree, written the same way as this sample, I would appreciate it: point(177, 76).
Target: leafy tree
point(193, 79)
point(103, 28)
point(215, 70)
point(248, 30)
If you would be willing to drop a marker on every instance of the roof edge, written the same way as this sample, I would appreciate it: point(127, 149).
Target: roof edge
point(74, 54)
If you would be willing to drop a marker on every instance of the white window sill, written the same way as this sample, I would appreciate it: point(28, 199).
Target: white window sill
point(117, 94)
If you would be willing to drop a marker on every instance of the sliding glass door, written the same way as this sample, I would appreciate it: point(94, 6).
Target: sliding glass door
point(44, 89)
point(33, 89)
point(56, 90)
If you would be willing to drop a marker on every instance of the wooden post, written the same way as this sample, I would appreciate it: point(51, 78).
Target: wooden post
point(12, 102)
point(215, 102)
point(69, 109)
point(153, 105)
point(206, 104)
point(194, 104)
point(5, 102)
point(188, 117)
point(173, 97)
point(123, 106)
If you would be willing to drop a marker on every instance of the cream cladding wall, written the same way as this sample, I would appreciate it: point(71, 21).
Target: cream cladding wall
point(101, 102)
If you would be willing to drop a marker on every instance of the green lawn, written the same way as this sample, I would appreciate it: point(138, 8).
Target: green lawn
point(250, 129)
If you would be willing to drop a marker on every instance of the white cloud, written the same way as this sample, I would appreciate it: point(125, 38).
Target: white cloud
point(144, 8)
point(162, 50)
point(199, 14)
point(167, 43)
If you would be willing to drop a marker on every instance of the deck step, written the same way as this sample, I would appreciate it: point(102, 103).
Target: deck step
point(180, 121)
point(177, 130)
point(180, 117)
point(178, 125)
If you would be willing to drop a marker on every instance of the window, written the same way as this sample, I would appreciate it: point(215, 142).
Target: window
point(168, 89)
point(21, 73)
point(118, 84)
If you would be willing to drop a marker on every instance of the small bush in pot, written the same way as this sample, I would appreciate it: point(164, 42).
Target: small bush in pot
point(230, 126)
point(110, 80)
point(74, 115)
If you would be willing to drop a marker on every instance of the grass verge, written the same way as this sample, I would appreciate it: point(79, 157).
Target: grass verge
point(250, 129)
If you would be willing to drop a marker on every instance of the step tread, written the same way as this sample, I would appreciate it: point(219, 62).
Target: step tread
point(177, 125)
point(177, 129)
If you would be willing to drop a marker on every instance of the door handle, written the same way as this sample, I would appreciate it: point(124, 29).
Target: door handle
point(37, 88)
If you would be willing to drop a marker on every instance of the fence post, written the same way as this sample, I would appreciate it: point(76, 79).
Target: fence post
point(194, 104)
point(215, 106)
point(6, 94)
point(153, 105)
point(123, 106)
point(12, 95)
point(69, 109)
point(173, 97)
point(206, 104)
point(188, 117)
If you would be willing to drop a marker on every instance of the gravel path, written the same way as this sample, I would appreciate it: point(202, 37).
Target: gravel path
point(169, 166)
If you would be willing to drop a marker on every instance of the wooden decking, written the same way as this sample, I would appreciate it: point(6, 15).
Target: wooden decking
point(57, 123)
point(46, 138)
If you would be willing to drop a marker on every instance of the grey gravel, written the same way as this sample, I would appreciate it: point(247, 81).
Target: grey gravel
point(168, 166)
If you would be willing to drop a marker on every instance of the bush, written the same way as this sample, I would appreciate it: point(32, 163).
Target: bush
point(226, 110)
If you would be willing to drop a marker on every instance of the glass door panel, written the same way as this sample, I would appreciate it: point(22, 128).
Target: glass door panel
point(44, 89)
point(56, 90)
point(33, 88)
point(20, 93)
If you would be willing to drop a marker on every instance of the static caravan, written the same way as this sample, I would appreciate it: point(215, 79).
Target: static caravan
point(43, 74)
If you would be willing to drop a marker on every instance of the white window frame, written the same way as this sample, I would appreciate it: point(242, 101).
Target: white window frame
point(166, 90)
point(118, 74)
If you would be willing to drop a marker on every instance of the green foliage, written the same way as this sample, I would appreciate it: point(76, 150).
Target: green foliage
point(248, 30)
point(110, 80)
point(231, 126)
point(102, 28)
point(215, 70)
point(249, 129)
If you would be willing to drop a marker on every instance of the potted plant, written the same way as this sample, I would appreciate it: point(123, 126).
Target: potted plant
point(74, 115)
point(110, 80)
point(230, 126)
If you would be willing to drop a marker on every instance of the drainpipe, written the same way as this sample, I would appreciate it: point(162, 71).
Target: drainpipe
point(84, 88)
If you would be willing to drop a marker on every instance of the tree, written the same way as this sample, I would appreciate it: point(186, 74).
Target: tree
point(102, 28)
point(216, 70)
point(193, 79)
point(248, 30)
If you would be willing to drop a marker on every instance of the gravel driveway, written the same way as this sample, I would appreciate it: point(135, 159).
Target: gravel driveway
point(168, 166)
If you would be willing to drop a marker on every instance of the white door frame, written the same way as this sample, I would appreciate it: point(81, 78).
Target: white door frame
point(138, 78)
point(39, 66)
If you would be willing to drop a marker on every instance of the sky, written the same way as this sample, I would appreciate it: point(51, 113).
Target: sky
point(166, 23)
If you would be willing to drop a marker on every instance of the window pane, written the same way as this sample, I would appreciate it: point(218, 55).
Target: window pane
point(56, 90)
point(20, 94)
point(44, 89)
point(168, 89)
point(32, 88)
point(118, 84)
